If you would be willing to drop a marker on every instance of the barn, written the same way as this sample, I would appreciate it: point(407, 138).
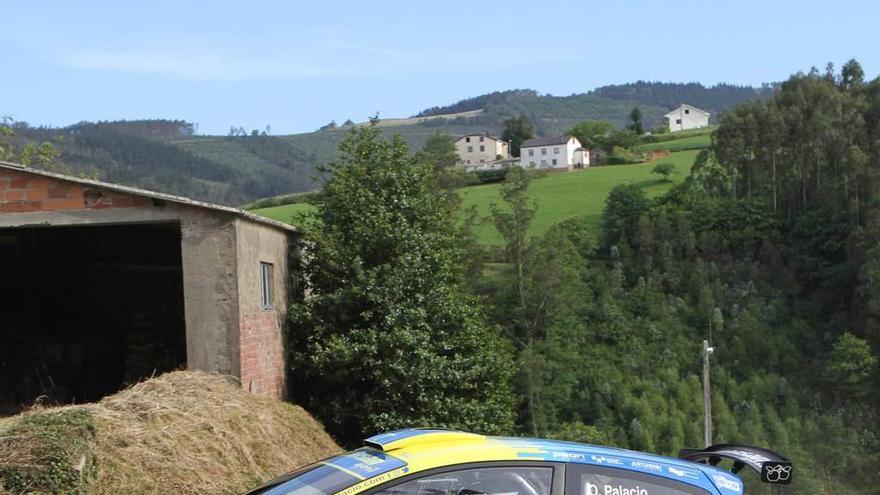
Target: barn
point(102, 285)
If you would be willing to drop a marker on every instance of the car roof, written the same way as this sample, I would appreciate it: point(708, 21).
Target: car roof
point(429, 448)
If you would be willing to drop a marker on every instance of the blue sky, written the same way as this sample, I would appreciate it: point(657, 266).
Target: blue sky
point(295, 65)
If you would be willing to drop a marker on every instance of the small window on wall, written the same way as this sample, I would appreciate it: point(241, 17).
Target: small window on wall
point(267, 284)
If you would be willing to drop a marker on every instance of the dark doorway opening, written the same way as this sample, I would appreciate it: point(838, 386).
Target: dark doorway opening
point(86, 310)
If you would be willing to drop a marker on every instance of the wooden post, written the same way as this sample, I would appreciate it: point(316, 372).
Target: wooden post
point(707, 395)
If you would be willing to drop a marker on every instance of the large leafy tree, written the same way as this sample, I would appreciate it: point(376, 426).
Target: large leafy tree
point(517, 130)
point(593, 134)
point(387, 338)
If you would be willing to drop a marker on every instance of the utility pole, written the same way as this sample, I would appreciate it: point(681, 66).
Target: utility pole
point(707, 395)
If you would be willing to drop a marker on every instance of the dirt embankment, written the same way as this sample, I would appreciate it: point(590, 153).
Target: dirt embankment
point(182, 433)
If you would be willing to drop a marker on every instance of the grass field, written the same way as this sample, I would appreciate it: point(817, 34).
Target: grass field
point(688, 143)
point(559, 196)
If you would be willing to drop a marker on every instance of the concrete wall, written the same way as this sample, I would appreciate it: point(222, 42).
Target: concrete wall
point(210, 288)
point(262, 329)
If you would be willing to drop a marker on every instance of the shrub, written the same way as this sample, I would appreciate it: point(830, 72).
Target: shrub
point(49, 452)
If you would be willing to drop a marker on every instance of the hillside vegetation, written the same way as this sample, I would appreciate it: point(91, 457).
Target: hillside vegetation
point(768, 250)
point(169, 156)
point(560, 196)
point(183, 432)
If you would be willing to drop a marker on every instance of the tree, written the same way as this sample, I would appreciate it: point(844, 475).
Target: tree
point(623, 207)
point(328, 126)
point(851, 367)
point(666, 169)
point(513, 224)
point(851, 75)
point(517, 130)
point(623, 138)
point(6, 132)
point(635, 118)
point(592, 134)
point(388, 339)
point(438, 152)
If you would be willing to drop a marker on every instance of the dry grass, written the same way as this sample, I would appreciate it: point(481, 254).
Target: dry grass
point(197, 433)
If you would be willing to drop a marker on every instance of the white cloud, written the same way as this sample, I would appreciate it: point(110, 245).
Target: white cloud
point(201, 65)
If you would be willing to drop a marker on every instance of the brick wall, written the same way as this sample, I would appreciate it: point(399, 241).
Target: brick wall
point(25, 192)
point(262, 358)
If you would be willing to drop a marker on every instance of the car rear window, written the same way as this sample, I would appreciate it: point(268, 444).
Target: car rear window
point(332, 475)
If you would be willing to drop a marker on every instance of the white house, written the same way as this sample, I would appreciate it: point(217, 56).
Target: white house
point(554, 153)
point(481, 148)
point(687, 117)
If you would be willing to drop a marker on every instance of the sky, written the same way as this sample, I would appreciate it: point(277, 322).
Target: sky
point(296, 65)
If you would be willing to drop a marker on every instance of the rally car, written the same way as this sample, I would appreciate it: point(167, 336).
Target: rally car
point(425, 461)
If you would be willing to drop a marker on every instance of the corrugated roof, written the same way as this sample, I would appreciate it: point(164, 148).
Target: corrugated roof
point(17, 167)
point(545, 141)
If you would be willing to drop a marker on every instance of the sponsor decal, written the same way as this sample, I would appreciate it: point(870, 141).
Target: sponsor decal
point(727, 483)
point(647, 466)
point(592, 489)
point(681, 473)
point(601, 459)
point(570, 456)
point(364, 463)
point(777, 473)
point(369, 483)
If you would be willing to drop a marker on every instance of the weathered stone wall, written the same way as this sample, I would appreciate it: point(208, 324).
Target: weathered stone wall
point(262, 329)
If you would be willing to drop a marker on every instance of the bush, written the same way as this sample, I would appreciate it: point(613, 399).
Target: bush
point(49, 452)
point(666, 169)
point(622, 156)
point(491, 176)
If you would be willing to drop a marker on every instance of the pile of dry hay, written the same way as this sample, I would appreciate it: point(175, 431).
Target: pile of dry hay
point(183, 432)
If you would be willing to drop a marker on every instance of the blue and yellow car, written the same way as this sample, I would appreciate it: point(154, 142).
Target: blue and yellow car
point(428, 461)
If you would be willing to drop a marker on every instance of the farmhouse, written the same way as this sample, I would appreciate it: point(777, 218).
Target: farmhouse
point(554, 153)
point(686, 117)
point(481, 148)
point(104, 285)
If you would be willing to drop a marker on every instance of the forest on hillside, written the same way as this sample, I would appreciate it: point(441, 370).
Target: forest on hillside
point(170, 155)
point(713, 99)
point(167, 156)
point(655, 98)
point(768, 250)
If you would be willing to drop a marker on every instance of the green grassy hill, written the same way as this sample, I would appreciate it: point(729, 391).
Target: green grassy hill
point(559, 196)
point(677, 141)
point(166, 155)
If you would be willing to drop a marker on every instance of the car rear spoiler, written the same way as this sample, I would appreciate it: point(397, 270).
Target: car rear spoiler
point(772, 467)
